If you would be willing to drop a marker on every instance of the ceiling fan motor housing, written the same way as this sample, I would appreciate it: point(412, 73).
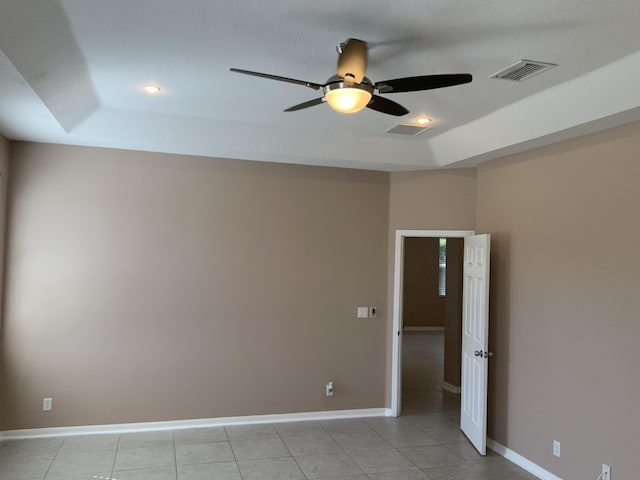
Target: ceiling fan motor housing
point(340, 84)
point(352, 60)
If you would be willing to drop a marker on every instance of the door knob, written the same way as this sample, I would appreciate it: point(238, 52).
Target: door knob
point(483, 354)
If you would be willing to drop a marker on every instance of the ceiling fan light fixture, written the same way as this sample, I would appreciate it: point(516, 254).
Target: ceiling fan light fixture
point(349, 98)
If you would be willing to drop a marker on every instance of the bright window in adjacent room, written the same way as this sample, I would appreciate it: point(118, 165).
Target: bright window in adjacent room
point(442, 263)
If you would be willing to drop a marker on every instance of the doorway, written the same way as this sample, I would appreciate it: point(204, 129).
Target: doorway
point(432, 325)
point(429, 339)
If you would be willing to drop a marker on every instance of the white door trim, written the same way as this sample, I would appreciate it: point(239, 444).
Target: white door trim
point(396, 354)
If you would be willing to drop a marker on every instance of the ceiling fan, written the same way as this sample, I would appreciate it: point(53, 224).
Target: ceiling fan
point(350, 91)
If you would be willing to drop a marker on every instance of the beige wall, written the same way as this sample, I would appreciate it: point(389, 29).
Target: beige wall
point(565, 319)
point(433, 200)
point(146, 287)
point(427, 200)
point(421, 304)
point(4, 171)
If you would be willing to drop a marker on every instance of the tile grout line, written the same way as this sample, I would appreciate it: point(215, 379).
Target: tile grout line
point(390, 445)
point(289, 450)
point(54, 457)
point(346, 452)
point(235, 459)
point(115, 457)
point(398, 450)
point(175, 455)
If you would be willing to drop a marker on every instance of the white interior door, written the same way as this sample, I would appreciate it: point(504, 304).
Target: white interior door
point(475, 340)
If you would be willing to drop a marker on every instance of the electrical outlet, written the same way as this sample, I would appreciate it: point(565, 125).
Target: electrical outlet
point(47, 404)
point(329, 389)
point(556, 448)
point(606, 472)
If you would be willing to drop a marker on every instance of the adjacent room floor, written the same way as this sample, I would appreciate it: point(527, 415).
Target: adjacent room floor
point(422, 376)
point(424, 444)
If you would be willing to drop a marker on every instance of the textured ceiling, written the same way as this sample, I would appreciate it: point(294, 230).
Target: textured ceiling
point(71, 72)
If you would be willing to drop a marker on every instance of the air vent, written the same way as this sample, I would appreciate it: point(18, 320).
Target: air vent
point(520, 71)
point(404, 129)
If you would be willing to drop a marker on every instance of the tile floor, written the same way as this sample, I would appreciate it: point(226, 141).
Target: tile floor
point(424, 444)
point(423, 373)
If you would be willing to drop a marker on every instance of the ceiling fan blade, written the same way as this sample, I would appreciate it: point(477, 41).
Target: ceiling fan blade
point(315, 86)
point(310, 103)
point(384, 105)
point(423, 82)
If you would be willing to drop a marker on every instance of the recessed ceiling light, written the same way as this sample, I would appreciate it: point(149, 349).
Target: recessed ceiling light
point(151, 89)
point(423, 120)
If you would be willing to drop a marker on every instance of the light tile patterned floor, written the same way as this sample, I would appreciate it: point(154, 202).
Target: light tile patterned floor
point(424, 444)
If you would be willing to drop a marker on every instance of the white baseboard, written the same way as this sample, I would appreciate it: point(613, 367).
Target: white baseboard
point(195, 423)
point(451, 388)
point(423, 329)
point(521, 461)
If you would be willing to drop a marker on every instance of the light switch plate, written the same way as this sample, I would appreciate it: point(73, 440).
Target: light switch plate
point(363, 312)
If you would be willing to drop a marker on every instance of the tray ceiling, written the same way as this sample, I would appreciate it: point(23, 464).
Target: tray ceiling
point(71, 72)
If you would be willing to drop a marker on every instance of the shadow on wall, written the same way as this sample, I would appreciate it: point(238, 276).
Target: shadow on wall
point(499, 307)
point(3, 407)
point(4, 170)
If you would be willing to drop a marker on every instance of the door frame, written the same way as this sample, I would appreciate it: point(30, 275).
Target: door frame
point(398, 271)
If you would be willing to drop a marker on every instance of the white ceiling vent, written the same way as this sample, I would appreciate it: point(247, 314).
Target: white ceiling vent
point(522, 70)
point(404, 129)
